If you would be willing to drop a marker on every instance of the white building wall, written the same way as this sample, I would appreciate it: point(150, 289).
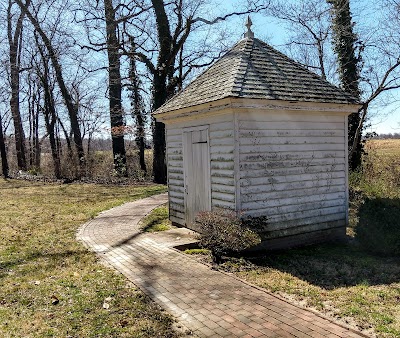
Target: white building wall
point(174, 156)
point(292, 170)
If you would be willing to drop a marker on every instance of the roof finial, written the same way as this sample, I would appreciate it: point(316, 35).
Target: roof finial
point(249, 33)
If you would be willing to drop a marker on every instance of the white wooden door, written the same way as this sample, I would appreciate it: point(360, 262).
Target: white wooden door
point(196, 162)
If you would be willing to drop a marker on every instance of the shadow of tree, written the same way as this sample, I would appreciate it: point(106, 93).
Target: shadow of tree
point(378, 229)
point(332, 266)
point(55, 259)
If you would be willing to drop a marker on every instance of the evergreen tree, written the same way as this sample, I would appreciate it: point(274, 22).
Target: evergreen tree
point(138, 110)
point(344, 42)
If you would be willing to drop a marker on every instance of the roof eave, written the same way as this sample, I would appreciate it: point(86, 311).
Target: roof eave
point(238, 104)
point(210, 108)
point(246, 104)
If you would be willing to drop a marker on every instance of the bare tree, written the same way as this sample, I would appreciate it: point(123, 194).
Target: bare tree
point(309, 32)
point(65, 92)
point(4, 93)
point(15, 42)
point(113, 17)
point(91, 109)
point(48, 107)
point(380, 75)
point(161, 32)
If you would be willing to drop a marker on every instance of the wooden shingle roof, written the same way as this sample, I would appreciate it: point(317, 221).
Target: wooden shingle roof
point(253, 69)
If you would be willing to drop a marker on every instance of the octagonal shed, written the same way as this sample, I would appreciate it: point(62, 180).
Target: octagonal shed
point(260, 134)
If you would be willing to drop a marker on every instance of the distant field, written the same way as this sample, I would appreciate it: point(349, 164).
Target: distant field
point(381, 170)
point(385, 147)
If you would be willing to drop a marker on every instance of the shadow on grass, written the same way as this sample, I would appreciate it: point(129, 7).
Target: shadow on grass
point(332, 266)
point(134, 235)
point(378, 229)
point(371, 258)
point(53, 259)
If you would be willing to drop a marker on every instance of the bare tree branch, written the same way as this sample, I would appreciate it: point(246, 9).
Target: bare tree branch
point(224, 17)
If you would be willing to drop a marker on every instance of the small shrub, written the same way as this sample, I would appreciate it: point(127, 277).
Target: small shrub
point(224, 233)
point(34, 171)
point(120, 168)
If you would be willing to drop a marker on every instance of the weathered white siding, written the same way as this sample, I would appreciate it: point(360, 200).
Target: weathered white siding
point(175, 174)
point(222, 154)
point(292, 170)
point(222, 147)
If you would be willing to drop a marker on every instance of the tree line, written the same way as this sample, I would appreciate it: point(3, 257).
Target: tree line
point(389, 136)
point(73, 71)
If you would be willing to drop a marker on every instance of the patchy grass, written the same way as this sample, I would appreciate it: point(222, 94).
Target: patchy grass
point(197, 252)
point(375, 198)
point(381, 174)
point(340, 280)
point(51, 286)
point(156, 220)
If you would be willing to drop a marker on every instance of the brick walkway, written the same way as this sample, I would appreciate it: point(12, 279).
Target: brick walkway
point(207, 302)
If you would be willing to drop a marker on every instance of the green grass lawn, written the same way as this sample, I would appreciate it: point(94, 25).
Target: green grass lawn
point(157, 220)
point(51, 286)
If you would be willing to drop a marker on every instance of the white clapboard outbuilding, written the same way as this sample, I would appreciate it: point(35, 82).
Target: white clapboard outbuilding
point(260, 134)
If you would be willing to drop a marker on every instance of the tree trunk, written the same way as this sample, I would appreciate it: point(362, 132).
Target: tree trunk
point(36, 142)
point(15, 49)
point(89, 143)
point(53, 143)
point(115, 88)
point(141, 144)
point(3, 151)
point(16, 116)
point(50, 118)
point(31, 103)
point(33, 109)
point(160, 94)
point(67, 139)
point(159, 165)
point(49, 112)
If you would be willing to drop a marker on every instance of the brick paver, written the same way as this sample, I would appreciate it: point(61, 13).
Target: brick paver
point(207, 302)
